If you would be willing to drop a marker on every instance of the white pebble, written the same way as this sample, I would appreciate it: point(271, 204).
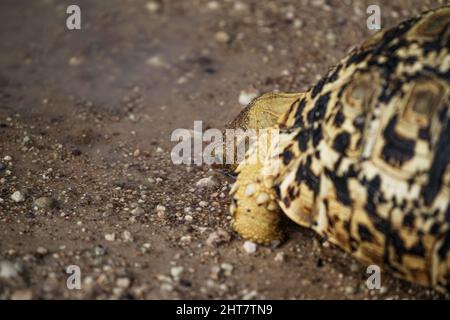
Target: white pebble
point(126, 236)
point(208, 182)
point(123, 283)
point(160, 207)
point(152, 6)
point(18, 196)
point(110, 236)
point(247, 96)
point(222, 37)
point(250, 247)
point(176, 272)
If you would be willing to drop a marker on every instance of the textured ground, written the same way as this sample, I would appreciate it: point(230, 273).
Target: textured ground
point(85, 121)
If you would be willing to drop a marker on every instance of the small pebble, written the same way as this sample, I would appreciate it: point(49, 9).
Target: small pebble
point(138, 211)
point(160, 207)
point(123, 283)
point(250, 247)
point(9, 270)
point(42, 251)
point(75, 61)
point(247, 96)
point(208, 183)
point(18, 196)
point(279, 257)
point(126, 236)
point(350, 290)
point(227, 268)
point(44, 203)
point(176, 272)
point(222, 37)
point(152, 6)
point(110, 236)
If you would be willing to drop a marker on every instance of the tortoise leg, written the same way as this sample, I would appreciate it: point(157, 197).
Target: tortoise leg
point(255, 212)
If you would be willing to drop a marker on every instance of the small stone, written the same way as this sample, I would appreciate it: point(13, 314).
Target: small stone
point(99, 250)
point(349, 290)
point(7, 158)
point(161, 214)
point(250, 247)
point(240, 6)
point(160, 207)
point(25, 294)
point(279, 257)
point(227, 268)
point(152, 6)
point(217, 238)
point(250, 295)
point(222, 37)
point(138, 211)
point(213, 5)
point(156, 62)
point(215, 273)
point(126, 236)
point(186, 239)
point(188, 218)
point(247, 96)
point(42, 251)
point(44, 203)
point(203, 204)
point(123, 283)
point(75, 61)
point(167, 287)
point(208, 183)
point(18, 196)
point(9, 270)
point(176, 272)
point(110, 236)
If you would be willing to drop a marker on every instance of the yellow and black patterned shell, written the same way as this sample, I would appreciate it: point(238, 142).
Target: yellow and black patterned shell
point(365, 153)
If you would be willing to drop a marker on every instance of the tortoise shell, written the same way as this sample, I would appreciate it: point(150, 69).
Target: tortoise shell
point(365, 160)
point(363, 156)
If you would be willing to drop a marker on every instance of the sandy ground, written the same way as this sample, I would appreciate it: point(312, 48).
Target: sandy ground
point(85, 124)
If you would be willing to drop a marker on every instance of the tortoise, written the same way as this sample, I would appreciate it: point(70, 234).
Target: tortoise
point(363, 156)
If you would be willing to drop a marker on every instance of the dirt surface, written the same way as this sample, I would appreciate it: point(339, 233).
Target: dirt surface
point(85, 122)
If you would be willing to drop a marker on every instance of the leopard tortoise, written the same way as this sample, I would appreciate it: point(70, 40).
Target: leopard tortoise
point(363, 156)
